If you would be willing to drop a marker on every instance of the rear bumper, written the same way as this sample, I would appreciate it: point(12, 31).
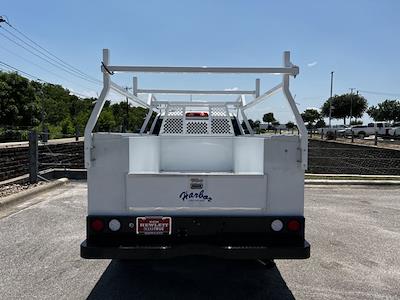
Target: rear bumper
point(227, 252)
point(226, 237)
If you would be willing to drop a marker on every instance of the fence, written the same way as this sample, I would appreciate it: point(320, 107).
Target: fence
point(332, 157)
point(345, 158)
point(375, 140)
point(24, 158)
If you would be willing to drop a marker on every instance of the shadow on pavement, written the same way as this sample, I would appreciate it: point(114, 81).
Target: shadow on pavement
point(190, 278)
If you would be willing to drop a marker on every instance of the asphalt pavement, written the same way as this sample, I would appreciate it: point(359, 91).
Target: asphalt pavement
point(354, 232)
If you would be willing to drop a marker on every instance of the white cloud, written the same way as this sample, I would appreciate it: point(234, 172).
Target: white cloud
point(232, 89)
point(314, 63)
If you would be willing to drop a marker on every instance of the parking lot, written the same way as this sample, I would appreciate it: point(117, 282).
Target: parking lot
point(354, 233)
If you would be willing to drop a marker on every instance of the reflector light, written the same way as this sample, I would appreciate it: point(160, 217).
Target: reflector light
point(114, 225)
point(97, 225)
point(293, 225)
point(277, 225)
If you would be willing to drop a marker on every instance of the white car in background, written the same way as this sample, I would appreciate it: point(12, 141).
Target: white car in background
point(395, 130)
point(339, 129)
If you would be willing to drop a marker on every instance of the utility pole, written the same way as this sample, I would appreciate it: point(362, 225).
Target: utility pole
point(351, 104)
point(330, 102)
point(127, 111)
point(125, 126)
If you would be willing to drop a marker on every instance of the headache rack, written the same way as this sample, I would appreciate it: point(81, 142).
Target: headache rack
point(217, 119)
point(174, 114)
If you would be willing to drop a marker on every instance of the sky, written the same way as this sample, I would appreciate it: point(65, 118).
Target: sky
point(358, 40)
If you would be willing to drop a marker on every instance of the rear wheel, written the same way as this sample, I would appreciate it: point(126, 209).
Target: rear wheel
point(361, 134)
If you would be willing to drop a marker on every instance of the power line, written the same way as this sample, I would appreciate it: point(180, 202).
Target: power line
point(380, 93)
point(59, 59)
point(46, 60)
point(5, 20)
point(37, 78)
point(62, 64)
point(41, 67)
point(31, 62)
point(22, 72)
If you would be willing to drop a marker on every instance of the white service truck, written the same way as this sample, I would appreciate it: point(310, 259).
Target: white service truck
point(378, 128)
point(193, 182)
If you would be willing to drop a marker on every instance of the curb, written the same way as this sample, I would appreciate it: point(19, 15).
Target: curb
point(388, 177)
point(15, 198)
point(351, 182)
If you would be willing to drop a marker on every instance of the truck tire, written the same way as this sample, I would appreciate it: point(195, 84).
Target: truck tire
point(361, 134)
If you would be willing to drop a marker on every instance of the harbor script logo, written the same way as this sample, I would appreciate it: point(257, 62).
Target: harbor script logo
point(200, 196)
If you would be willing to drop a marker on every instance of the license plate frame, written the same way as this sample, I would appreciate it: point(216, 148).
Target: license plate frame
point(154, 225)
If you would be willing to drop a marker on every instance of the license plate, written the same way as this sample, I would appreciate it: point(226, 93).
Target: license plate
point(153, 225)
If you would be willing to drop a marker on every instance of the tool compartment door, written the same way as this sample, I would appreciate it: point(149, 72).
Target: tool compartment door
point(193, 193)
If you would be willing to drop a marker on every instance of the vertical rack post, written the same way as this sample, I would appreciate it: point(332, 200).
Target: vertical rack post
point(299, 120)
point(97, 109)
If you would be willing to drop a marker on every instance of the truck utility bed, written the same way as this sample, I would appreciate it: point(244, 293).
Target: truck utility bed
point(148, 174)
point(193, 186)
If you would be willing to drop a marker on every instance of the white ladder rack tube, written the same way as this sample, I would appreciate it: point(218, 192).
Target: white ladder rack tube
point(250, 130)
point(148, 116)
point(154, 123)
point(292, 70)
point(299, 120)
point(129, 95)
point(96, 112)
point(195, 92)
point(195, 103)
point(264, 96)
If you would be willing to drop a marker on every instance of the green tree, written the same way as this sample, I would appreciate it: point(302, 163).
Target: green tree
point(344, 106)
point(290, 125)
point(255, 125)
point(136, 118)
point(388, 110)
point(356, 122)
point(310, 116)
point(320, 123)
point(269, 118)
point(106, 121)
point(18, 101)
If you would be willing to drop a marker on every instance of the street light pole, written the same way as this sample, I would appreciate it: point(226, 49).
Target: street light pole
point(330, 100)
point(127, 112)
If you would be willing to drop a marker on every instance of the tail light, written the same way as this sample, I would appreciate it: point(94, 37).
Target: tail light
point(196, 115)
point(293, 225)
point(97, 225)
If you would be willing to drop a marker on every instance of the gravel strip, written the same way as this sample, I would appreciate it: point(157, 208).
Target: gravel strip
point(14, 188)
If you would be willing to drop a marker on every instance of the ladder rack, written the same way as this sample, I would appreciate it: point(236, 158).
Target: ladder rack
point(219, 116)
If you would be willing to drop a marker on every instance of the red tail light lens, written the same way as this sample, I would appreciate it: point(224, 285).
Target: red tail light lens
point(293, 225)
point(196, 115)
point(97, 225)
